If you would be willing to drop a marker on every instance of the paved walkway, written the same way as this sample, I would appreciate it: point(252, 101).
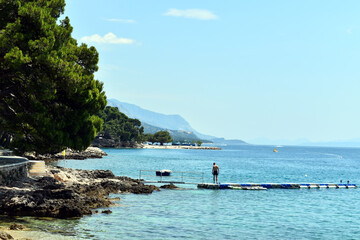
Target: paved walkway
point(37, 168)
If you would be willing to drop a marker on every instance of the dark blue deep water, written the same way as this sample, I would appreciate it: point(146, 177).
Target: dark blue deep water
point(194, 213)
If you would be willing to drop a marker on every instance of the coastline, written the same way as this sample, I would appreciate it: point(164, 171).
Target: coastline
point(65, 192)
point(179, 147)
point(90, 152)
point(96, 152)
point(62, 193)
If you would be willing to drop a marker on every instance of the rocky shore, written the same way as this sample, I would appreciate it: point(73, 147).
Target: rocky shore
point(90, 152)
point(96, 152)
point(66, 193)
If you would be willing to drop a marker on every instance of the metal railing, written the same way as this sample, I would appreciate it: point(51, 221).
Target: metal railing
point(179, 177)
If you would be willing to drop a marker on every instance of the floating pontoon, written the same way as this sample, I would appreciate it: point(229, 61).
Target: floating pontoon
point(258, 186)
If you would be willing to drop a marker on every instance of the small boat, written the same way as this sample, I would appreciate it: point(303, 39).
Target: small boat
point(164, 172)
point(275, 150)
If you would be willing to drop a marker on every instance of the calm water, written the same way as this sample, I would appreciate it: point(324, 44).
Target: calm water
point(229, 214)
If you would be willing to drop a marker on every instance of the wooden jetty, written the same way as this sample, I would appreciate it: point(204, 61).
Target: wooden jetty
point(261, 186)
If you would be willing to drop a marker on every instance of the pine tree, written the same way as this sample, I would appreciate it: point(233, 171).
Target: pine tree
point(48, 95)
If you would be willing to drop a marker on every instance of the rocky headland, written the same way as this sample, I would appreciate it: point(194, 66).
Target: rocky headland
point(66, 193)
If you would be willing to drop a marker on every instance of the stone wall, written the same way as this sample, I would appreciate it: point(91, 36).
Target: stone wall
point(12, 169)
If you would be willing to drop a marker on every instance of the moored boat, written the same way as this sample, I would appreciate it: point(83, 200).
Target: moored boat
point(164, 172)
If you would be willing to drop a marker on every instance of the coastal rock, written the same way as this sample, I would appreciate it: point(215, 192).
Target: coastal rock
point(90, 152)
point(169, 186)
point(5, 236)
point(67, 211)
point(106, 211)
point(51, 196)
point(15, 226)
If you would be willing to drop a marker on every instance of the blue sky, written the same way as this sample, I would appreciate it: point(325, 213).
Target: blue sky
point(273, 69)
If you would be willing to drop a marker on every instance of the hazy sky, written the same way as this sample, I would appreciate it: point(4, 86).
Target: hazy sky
point(275, 69)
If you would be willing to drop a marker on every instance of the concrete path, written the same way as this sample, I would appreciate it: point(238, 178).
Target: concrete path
point(37, 168)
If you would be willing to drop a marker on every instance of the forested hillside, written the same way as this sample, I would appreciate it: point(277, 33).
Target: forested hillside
point(118, 129)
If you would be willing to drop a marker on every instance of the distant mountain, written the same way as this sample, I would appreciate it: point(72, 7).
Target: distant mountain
point(179, 128)
point(164, 121)
point(177, 135)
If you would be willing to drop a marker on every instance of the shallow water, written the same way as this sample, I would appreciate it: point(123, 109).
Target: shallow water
point(229, 214)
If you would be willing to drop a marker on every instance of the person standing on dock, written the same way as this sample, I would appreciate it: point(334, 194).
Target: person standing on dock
point(215, 172)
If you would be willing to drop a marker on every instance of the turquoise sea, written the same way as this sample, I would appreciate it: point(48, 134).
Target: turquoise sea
point(192, 213)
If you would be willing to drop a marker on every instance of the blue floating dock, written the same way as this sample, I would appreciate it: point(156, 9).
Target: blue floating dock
point(256, 186)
